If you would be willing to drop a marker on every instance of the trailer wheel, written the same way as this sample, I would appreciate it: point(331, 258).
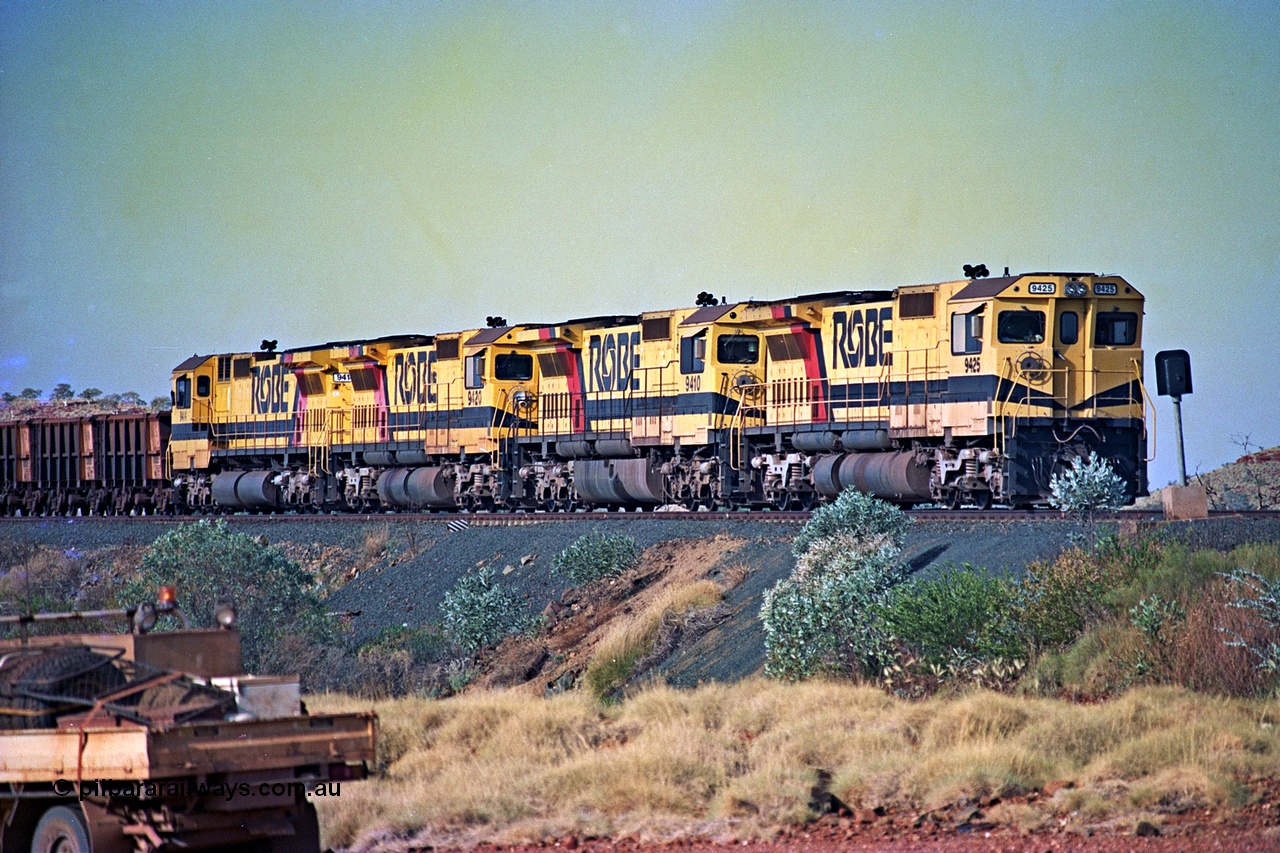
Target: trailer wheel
point(306, 833)
point(61, 830)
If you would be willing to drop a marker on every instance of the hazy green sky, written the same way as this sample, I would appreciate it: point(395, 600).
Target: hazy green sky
point(183, 176)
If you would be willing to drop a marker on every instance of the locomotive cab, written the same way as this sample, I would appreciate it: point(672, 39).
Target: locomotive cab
point(189, 445)
point(1067, 358)
point(499, 376)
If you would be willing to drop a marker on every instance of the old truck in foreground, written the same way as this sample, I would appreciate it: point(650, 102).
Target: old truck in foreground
point(141, 742)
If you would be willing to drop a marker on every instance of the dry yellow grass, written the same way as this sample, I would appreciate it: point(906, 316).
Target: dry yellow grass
point(630, 638)
point(375, 543)
point(736, 760)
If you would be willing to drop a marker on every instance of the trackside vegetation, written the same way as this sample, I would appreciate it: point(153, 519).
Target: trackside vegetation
point(209, 563)
point(596, 555)
point(1096, 620)
point(1123, 680)
point(743, 760)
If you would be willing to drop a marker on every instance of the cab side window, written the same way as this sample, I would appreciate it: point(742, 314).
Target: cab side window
point(182, 393)
point(966, 333)
point(475, 369)
point(693, 353)
point(738, 349)
point(513, 367)
point(202, 386)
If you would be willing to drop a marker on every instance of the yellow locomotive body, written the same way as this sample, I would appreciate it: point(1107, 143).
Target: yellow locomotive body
point(267, 430)
point(972, 391)
point(457, 404)
point(966, 391)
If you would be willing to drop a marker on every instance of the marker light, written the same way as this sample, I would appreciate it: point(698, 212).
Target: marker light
point(224, 613)
point(168, 597)
point(144, 618)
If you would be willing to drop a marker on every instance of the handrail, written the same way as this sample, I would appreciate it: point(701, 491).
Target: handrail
point(1001, 434)
point(1146, 402)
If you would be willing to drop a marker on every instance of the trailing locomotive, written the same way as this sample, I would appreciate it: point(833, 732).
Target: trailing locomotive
point(969, 392)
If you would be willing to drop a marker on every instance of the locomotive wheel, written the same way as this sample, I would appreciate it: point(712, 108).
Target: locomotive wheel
point(61, 830)
point(955, 500)
point(982, 499)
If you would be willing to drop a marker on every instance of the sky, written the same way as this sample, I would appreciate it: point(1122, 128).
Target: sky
point(180, 177)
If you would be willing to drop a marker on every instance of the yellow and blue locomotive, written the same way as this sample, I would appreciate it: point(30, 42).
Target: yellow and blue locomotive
point(969, 392)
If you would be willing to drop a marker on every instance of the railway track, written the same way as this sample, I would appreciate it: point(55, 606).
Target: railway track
point(499, 519)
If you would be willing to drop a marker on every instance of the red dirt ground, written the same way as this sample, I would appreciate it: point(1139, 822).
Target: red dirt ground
point(1251, 829)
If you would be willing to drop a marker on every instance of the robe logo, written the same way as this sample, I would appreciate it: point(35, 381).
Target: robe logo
point(611, 360)
point(861, 339)
point(415, 378)
point(269, 388)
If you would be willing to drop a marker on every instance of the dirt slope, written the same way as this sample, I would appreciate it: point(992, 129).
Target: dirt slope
point(1251, 482)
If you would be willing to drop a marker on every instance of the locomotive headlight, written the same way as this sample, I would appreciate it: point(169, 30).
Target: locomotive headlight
point(1076, 289)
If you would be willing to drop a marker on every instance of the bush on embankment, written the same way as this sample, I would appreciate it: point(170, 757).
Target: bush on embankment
point(1094, 621)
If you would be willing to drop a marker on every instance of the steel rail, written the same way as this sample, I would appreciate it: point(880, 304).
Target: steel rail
point(503, 519)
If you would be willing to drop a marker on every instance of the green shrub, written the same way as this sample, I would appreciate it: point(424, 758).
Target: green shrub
point(479, 611)
point(961, 611)
point(1156, 618)
point(207, 562)
point(596, 555)
point(1059, 599)
point(857, 514)
point(423, 644)
point(1166, 614)
point(824, 623)
point(1086, 487)
point(822, 620)
point(1260, 598)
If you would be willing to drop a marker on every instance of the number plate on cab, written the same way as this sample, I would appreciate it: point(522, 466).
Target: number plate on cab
point(1104, 289)
point(1042, 287)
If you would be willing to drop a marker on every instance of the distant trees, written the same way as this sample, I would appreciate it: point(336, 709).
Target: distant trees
point(63, 393)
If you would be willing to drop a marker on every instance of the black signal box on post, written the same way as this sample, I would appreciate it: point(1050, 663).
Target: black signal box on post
point(1173, 379)
point(1173, 373)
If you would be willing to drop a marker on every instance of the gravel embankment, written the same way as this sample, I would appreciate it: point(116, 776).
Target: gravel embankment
point(424, 559)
